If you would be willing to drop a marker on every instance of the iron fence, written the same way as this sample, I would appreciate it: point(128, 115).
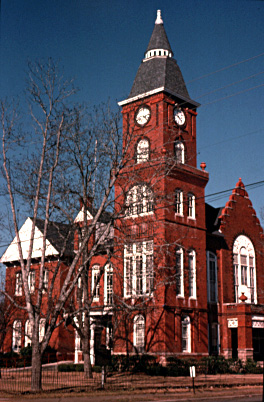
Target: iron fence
point(18, 380)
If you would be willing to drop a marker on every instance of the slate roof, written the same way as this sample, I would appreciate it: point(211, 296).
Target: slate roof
point(159, 72)
point(212, 218)
point(159, 39)
point(56, 235)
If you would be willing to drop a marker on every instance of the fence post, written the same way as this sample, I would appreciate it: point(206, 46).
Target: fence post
point(103, 377)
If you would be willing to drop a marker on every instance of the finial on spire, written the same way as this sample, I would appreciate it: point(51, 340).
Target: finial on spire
point(159, 19)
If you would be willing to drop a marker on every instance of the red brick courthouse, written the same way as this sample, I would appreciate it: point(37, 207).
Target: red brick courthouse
point(189, 277)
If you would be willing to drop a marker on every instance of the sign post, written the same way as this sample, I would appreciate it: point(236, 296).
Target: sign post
point(192, 375)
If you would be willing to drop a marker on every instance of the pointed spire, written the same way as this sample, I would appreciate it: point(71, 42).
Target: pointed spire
point(159, 71)
point(159, 44)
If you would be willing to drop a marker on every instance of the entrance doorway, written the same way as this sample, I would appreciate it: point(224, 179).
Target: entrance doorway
point(258, 343)
point(234, 343)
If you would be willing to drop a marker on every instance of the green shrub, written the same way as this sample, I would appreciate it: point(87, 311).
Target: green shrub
point(251, 367)
point(70, 367)
point(26, 351)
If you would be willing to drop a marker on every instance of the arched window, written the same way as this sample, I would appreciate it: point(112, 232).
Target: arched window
point(191, 206)
point(192, 273)
point(17, 335)
point(211, 277)
point(186, 334)
point(142, 153)
point(179, 202)
point(28, 333)
point(139, 200)
point(244, 269)
point(139, 333)
point(179, 152)
point(179, 273)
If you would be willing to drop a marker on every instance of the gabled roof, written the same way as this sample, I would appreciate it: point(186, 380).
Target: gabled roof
point(56, 235)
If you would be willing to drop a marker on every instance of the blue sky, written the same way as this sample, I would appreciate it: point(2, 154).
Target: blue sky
point(101, 43)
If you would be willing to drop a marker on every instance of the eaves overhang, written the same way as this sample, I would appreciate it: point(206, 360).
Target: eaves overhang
point(155, 91)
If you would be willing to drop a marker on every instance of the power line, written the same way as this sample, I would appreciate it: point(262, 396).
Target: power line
point(225, 68)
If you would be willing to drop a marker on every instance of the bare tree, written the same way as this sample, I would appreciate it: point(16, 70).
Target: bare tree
point(34, 178)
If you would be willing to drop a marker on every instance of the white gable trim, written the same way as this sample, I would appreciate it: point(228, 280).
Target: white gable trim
point(12, 253)
point(80, 216)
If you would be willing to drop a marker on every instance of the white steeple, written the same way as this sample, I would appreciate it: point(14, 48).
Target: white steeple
point(159, 19)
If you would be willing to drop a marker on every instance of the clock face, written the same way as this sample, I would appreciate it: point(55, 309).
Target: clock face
point(179, 116)
point(142, 115)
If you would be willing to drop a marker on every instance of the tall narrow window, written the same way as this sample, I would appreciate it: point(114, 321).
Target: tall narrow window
point(28, 333)
point(191, 206)
point(179, 273)
point(18, 289)
point(138, 264)
point(192, 273)
point(244, 269)
point(41, 329)
point(179, 202)
point(211, 277)
point(139, 333)
point(142, 151)
point(108, 284)
point(17, 336)
point(186, 334)
point(45, 279)
point(96, 282)
point(179, 152)
point(31, 281)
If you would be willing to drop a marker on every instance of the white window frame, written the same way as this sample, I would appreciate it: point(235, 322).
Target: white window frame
point(95, 275)
point(244, 266)
point(191, 205)
point(142, 151)
point(19, 287)
point(192, 273)
point(17, 336)
point(179, 202)
point(138, 269)
point(212, 280)
point(179, 152)
point(108, 285)
point(28, 333)
point(45, 280)
point(42, 322)
point(139, 201)
point(31, 281)
point(139, 333)
point(186, 334)
point(179, 273)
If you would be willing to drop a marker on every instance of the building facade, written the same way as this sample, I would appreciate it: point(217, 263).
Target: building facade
point(186, 278)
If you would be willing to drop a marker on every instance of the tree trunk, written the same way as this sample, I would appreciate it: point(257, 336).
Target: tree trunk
point(36, 375)
point(87, 365)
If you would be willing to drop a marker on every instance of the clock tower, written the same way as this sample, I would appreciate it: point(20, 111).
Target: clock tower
point(161, 191)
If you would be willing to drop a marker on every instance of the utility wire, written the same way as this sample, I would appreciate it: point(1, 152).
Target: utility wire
point(226, 68)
